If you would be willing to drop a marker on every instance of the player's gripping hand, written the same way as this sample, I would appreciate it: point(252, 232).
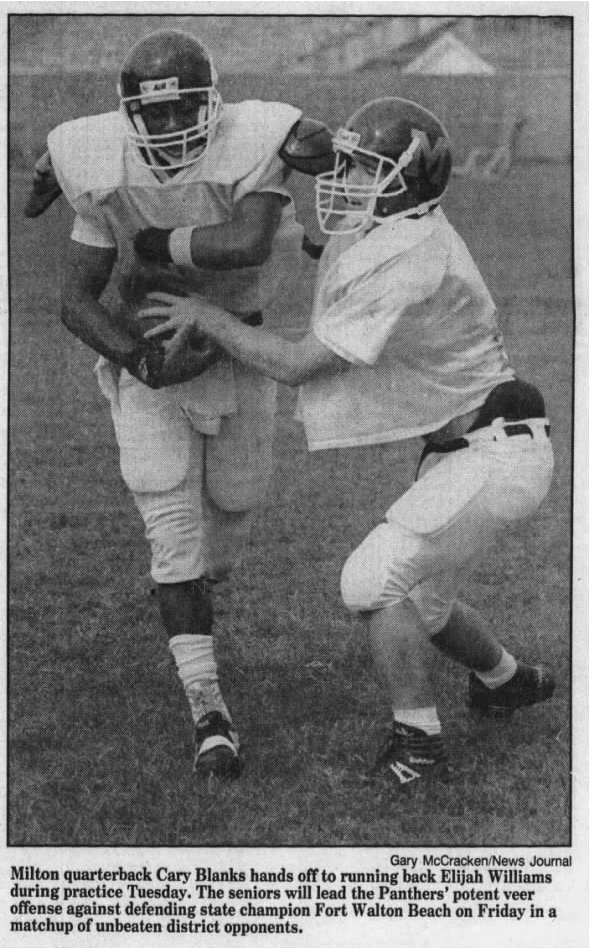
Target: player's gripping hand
point(180, 317)
point(153, 244)
point(146, 363)
point(311, 248)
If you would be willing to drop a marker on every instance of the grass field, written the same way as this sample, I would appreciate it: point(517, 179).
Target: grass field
point(100, 737)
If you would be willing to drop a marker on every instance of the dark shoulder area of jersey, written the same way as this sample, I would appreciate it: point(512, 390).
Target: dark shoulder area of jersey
point(308, 147)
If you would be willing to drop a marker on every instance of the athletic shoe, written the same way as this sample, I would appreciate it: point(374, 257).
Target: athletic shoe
point(411, 755)
point(217, 748)
point(529, 685)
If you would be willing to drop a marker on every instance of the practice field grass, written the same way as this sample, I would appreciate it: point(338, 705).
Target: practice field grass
point(100, 737)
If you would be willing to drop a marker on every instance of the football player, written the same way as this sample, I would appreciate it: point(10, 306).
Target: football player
point(181, 192)
point(404, 342)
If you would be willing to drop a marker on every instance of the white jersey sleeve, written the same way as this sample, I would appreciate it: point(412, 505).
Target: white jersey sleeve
point(87, 156)
point(93, 231)
point(358, 324)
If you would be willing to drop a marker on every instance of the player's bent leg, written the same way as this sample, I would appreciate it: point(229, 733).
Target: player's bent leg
point(498, 684)
point(402, 656)
point(400, 560)
point(376, 581)
point(464, 637)
point(414, 751)
point(519, 476)
point(178, 530)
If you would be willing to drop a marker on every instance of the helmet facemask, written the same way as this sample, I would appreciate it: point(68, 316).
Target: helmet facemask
point(172, 151)
point(337, 197)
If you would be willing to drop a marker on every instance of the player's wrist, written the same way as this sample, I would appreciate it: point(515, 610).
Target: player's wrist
point(153, 245)
point(179, 247)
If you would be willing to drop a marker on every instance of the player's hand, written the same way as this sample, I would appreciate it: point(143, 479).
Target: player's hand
point(45, 188)
point(146, 363)
point(311, 248)
point(184, 317)
point(153, 244)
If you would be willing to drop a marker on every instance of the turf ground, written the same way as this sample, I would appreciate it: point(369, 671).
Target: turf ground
point(100, 737)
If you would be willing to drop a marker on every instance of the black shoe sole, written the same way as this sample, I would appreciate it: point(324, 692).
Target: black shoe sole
point(219, 763)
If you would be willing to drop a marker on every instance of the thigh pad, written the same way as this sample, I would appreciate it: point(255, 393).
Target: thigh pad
point(153, 436)
point(441, 495)
point(238, 461)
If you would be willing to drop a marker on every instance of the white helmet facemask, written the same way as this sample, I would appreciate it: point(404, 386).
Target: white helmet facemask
point(193, 142)
point(351, 205)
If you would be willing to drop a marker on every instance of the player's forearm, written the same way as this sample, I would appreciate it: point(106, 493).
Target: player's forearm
point(271, 355)
point(244, 241)
point(228, 246)
point(92, 323)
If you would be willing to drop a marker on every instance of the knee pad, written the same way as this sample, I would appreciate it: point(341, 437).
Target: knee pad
point(373, 577)
point(434, 605)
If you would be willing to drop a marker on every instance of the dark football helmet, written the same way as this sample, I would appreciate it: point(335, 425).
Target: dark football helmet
point(405, 154)
point(169, 98)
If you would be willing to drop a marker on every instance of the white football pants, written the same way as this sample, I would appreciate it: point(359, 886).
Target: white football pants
point(440, 527)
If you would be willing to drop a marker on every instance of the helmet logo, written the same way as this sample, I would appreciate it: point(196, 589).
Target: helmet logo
point(346, 140)
point(432, 156)
point(159, 90)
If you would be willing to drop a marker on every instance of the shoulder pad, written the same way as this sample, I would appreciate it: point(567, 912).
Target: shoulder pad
point(250, 134)
point(308, 147)
point(87, 155)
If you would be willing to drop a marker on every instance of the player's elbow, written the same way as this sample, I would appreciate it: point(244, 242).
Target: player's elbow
point(254, 250)
point(305, 362)
point(295, 371)
point(68, 314)
point(298, 375)
point(71, 304)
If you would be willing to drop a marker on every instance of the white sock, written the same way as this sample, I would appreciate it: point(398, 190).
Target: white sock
point(197, 669)
point(501, 673)
point(425, 719)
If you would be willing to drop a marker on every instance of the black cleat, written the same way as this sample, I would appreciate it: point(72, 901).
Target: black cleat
point(529, 685)
point(217, 748)
point(412, 756)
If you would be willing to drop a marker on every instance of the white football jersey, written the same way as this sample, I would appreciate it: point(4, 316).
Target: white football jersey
point(406, 306)
point(115, 195)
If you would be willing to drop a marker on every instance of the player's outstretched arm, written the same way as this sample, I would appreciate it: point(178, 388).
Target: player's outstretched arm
point(287, 362)
point(245, 241)
point(86, 274)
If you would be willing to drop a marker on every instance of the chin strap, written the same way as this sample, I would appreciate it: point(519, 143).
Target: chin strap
point(417, 212)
